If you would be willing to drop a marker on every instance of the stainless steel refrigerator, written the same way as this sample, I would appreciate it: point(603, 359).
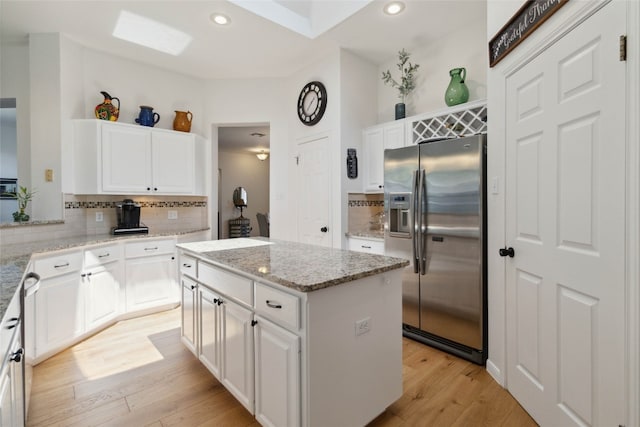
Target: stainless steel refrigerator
point(435, 216)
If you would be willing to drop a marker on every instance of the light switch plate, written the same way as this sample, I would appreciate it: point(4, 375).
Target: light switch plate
point(99, 217)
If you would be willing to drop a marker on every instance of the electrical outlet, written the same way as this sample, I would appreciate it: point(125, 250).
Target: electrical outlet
point(172, 215)
point(99, 217)
point(363, 326)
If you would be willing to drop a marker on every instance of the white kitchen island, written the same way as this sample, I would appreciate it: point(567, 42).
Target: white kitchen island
point(299, 334)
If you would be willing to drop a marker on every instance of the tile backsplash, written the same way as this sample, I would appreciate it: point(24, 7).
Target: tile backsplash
point(80, 217)
point(365, 212)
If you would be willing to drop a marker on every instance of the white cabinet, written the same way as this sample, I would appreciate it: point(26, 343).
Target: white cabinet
point(277, 375)
point(102, 281)
point(12, 382)
point(370, 246)
point(209, 341)
point(376, 139)
point(237, 352)
point(188, 311)
point(59, 302)
point(150, 274)
point(116, 158)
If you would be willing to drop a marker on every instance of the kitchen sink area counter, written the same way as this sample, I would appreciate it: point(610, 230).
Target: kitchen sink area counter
point(298, 266)
point(300, 335)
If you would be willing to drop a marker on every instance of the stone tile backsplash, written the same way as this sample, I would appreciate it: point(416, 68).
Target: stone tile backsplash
point(80, 217)
point(365, 213)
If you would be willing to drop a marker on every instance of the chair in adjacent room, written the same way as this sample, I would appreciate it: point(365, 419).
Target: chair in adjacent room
point(263, 224)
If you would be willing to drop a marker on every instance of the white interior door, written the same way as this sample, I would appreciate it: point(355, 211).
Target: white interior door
point(565, 199)
point(313, 199)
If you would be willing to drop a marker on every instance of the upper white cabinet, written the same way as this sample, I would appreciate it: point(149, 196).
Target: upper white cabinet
point(376, 139)
point(116, 158)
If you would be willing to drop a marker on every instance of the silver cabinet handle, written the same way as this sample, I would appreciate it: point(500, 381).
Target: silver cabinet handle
point(66, 264)
point(365, 247)
point(187, 265)
point(273, 304)
point(104, 255)
point(151, 249)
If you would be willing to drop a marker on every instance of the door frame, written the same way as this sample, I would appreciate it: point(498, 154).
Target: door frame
point(556, 27)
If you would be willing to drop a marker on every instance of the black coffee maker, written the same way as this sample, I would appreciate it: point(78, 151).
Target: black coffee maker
point(128, 213)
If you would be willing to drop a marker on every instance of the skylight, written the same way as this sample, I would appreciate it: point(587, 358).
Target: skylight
point(149, 33)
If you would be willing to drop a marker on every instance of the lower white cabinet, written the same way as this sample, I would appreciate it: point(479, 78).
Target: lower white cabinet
point(208, 321)
point(59, 312)
point(237, 351)
point(150, 274)
point(188, 308)
point(12, 380)
point(366, 245)
point(277, 375)
point(102, 293)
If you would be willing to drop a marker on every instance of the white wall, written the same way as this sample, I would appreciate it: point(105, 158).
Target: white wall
point(464, 47)
point(243, 170)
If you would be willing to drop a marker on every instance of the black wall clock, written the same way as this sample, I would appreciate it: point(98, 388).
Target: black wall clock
point(312, 103)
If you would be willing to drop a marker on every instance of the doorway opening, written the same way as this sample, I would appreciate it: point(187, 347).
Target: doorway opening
point(243, 162)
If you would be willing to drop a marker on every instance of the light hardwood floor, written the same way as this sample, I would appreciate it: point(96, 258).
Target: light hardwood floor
point(138, 373)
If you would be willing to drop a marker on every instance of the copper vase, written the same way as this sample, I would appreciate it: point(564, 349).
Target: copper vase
point(182, 122)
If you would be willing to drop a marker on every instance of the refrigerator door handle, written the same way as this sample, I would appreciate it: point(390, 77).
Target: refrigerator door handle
point(416, 231)
point(422, 238)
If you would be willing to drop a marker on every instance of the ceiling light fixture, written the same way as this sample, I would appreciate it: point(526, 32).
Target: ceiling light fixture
point(149, 33)
point(262, 156)
point(393, 8)
point(220, 19)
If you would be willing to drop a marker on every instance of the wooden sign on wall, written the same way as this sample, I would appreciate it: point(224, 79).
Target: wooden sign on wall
point(529, 17)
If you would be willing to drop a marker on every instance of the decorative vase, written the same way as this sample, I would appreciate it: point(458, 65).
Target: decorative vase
point(182, 122)
point(457, 92)
point(400, 110)
point(147, 117)
point(20, 216)
point(106, 110)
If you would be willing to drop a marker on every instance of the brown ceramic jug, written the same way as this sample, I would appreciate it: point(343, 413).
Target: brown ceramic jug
point(182, 122)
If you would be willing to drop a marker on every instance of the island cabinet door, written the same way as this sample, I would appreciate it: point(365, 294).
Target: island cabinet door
point(277, 353)
point(188, 307)
point(209, 351)
point(237, 352)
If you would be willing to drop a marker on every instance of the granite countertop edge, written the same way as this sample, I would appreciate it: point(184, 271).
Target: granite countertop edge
point(14, 258)
point(252, 261)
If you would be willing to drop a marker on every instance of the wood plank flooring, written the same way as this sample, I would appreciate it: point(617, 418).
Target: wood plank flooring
point(138, 373)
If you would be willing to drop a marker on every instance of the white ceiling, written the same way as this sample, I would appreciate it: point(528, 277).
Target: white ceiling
point(252, 46)
point(240, 139)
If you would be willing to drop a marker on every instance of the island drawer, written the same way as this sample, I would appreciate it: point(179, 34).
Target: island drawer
point(149, 247)
point(188, 265)
point(226, 283)
point(102, 255)
point(57, 265)
point(280, 306)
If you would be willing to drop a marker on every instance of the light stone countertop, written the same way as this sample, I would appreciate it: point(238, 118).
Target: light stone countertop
point(298, 266)
point(14, 258)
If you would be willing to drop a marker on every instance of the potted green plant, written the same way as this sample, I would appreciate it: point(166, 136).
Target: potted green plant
point(407, 80)
point(24, 196)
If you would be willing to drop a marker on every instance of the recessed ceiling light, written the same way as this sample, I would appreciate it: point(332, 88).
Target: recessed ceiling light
point(393, 8)
point(149, 33)
point(220, 19)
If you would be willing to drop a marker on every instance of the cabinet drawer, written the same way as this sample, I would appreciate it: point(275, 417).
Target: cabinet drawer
point(188, 265)
point(365, 245)
point(57, 265)
point(226, 283)
point(281, 307)
point(149, 247)
point(102, 255)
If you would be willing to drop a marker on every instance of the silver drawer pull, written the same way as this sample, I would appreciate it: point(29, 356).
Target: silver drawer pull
point(104, 255)
point(273, 304)
point(187, 265)
point(365, 247)
point(151, 249)
point(61, 265)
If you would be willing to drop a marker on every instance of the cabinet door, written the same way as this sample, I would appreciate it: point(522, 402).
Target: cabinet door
point(189, 292)
point(59, 312)
point(6, 398)
point(277, 375)
point(102, 289)
point(12, 385)
point(151, 282)
point(173, 163)
point(237, 352)
point(126, 160)
point(393, 135)
point(209, 330)
point(373, 150)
